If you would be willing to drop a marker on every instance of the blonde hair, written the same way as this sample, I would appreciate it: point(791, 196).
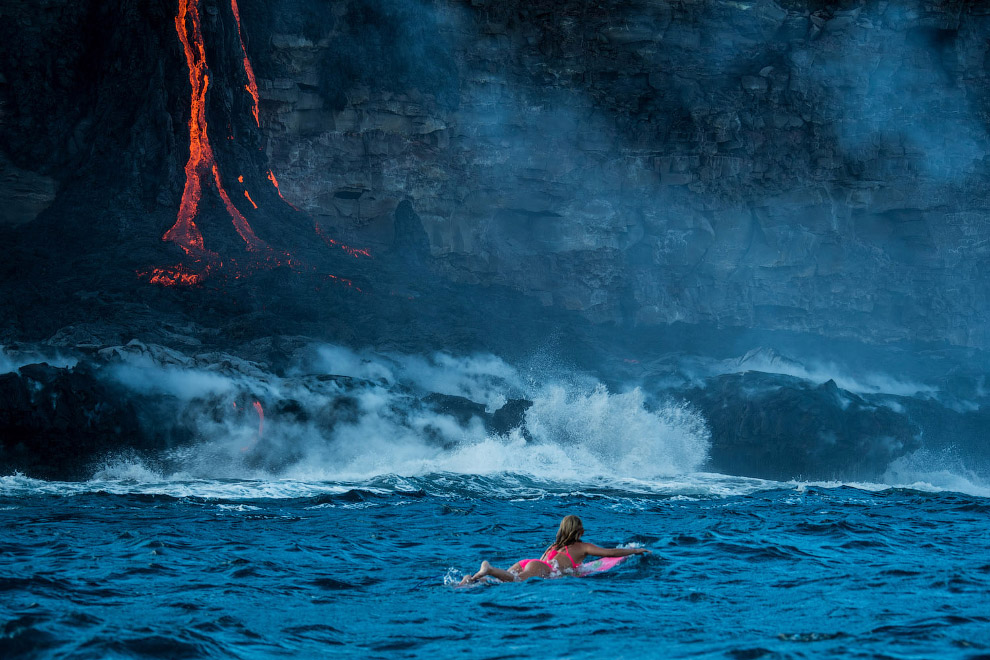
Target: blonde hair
point(569, 532)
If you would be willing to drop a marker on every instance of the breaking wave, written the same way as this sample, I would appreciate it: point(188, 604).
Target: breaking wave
point(345, 415)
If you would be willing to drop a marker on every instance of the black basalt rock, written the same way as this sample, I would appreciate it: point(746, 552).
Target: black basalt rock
point(460, 408)
point(509, 417)
point(55, 423)
point(781, 427)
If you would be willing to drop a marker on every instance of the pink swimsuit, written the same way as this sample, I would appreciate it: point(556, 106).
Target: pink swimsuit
point(550, 554)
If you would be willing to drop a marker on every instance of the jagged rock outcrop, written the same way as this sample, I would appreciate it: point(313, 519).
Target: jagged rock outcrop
point(26, 194)
point(781, 427)
point(209, 412)
point(509, 417)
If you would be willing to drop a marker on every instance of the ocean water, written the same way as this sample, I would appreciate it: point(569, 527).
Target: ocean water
point(741, 568)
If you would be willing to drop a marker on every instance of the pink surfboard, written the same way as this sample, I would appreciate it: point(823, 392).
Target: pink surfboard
point(599, 565)
point(593, 567)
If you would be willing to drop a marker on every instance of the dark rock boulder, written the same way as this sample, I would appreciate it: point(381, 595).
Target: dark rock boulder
point(55, 423)
point(781, 427)
point(510, 417)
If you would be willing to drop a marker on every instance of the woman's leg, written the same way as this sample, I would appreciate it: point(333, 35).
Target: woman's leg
point(505, 576)
point(487, 569)
point(532, 568)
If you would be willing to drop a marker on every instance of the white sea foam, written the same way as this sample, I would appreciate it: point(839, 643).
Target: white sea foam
point(509, 486)
point(816, 371)
point(936, 471)
point(357, 434)
point(360, 430)
point(238, 508)
point(923, 471)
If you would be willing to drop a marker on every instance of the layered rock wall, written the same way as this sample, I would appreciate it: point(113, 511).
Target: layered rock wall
point(791, 165)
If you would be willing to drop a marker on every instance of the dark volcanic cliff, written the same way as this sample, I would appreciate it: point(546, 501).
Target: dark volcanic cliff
point(799, 165)
point(811, 166)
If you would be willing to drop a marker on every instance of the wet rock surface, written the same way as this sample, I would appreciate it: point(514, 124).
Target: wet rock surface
point(157, 406)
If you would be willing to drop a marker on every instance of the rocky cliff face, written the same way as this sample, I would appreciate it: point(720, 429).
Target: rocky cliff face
point(799, 165)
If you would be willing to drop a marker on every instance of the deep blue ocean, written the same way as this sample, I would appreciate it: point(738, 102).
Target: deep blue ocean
point(741, 568)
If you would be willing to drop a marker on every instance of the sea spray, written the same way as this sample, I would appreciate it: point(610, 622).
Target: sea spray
point(351, 415)
point(617, 434)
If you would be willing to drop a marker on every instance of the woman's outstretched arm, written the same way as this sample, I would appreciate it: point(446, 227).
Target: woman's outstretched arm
point(595, 551)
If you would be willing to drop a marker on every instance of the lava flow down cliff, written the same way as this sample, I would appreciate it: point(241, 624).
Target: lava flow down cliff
point(202, 167)
point(203, 170)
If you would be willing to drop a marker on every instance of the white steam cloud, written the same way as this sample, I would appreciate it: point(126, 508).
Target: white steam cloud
point(12, 359)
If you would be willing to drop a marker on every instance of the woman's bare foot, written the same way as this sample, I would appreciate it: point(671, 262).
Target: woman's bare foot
point(482, 572)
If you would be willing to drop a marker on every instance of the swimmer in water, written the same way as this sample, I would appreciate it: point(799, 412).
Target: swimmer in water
point(566, 553)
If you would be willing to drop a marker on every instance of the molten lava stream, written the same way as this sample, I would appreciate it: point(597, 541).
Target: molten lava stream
point(261, 425)
point(252, 86)
point(202, 168)
point(271, 177)
point(357, 253)
point(202, 162)
point(185, 232)
point(174, 276)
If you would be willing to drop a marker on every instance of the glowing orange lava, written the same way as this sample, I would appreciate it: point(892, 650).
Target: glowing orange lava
point(357, 253)
point(173, 276)
point(202, 169)
point(271, 177)
point(252, 86)
point(261, 425)
point(343, 280)
point(184, 232)
point(261, 417)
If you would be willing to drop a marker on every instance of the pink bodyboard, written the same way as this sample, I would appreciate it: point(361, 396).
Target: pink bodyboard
point(599, 565)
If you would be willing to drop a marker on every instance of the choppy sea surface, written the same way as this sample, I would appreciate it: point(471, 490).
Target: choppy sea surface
point(741, 568)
